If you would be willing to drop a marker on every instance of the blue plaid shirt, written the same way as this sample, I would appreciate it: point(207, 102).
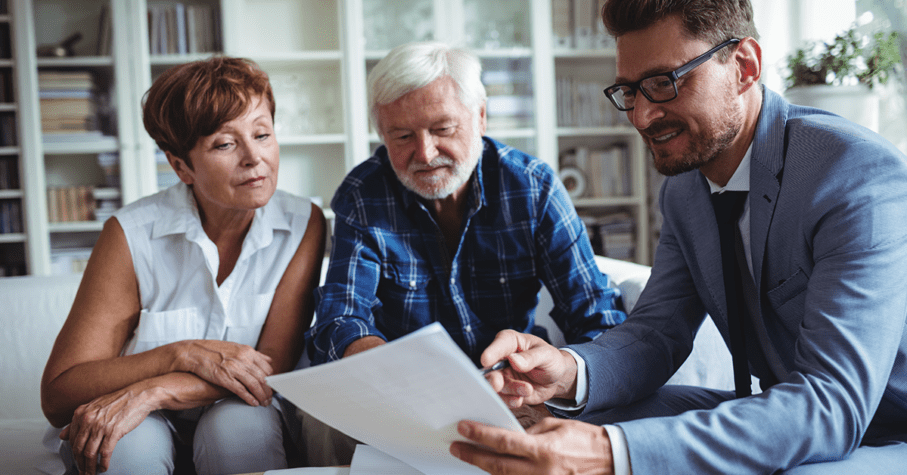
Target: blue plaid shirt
point(391, 273)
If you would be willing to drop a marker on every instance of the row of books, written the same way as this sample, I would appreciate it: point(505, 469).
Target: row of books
point(582, 103)
point(578, 24)
point(10, 216)
point(612, 235)
point(179, 28)
point(9, 173)
point(596, 173)
point(70, 203)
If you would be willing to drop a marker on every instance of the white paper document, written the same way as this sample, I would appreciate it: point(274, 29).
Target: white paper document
point(404, 398)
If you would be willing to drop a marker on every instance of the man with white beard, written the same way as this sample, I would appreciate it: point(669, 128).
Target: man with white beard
point(443, 224)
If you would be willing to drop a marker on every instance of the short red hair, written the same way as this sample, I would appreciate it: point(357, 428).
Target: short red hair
point(193, 100)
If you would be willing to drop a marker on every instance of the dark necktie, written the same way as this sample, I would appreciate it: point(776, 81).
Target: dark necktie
point(728, 206)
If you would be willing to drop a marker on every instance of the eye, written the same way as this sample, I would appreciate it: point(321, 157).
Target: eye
point(222, 146)
point(263, 136)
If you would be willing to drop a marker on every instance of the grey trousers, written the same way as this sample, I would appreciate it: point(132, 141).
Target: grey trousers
point(228, 436)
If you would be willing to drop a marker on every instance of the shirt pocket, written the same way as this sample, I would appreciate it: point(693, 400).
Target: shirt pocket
point(405, 298)
point(245, 323)
point(161, 328)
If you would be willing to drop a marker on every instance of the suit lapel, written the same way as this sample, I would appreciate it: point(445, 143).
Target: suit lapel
point(765, 167)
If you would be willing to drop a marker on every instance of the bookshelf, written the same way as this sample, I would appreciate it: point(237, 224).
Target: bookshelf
point(13, 238)
point(536, 62)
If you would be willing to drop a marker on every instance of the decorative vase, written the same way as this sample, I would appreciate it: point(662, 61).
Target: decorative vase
point(855, 103)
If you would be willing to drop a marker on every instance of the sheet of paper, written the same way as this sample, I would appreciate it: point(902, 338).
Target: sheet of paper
point(404, 398)
point(368, 460)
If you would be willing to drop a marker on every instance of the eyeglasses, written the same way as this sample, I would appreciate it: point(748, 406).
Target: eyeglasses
point(659, 88)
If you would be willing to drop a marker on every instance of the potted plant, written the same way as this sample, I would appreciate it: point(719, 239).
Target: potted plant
point(839, 76)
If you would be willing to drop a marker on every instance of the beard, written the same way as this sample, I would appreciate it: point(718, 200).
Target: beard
point(442, 185)
point(702, 148)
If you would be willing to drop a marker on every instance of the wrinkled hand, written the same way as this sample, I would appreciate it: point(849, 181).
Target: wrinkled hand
point(537, 372)
point(98, 425)
point(553, 446)
point(238, 368)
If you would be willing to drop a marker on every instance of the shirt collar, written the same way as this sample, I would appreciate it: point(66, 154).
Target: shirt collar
point(179, 202)
point(740, 180)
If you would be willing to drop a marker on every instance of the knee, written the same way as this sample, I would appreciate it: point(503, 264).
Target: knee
point(149, 448)
point(233, 437)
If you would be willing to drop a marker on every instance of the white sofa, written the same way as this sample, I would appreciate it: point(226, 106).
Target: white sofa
point(34, 308)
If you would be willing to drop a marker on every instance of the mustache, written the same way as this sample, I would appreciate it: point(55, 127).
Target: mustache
point(441, 161)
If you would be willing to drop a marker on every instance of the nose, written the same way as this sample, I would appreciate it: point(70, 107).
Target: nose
point(426, 148)
point(644, 112)
point(252, 154)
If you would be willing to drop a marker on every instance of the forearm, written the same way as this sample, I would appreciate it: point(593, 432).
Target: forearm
point(87, 381)
point(362, 344)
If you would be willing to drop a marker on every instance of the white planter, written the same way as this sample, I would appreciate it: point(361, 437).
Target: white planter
point(856, 103)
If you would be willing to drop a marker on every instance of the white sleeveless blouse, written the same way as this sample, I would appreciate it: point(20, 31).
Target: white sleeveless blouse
point(176, 266)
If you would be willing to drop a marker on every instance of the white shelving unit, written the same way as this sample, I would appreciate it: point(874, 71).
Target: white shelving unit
point(317, 54)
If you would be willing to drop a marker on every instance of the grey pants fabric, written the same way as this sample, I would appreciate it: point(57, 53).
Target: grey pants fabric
point(228, 436)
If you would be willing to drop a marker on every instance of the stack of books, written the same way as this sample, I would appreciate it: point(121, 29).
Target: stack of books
point(509, 88)
point(612, 235)
point(68, 104)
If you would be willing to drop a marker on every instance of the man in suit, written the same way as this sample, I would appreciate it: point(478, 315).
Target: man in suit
point(812, 301)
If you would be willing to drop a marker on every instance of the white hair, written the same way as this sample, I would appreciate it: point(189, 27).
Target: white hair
point(415, 65)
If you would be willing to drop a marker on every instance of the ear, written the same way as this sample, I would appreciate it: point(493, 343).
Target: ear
point(483, 118)
point(181, 168)
point(748, 62)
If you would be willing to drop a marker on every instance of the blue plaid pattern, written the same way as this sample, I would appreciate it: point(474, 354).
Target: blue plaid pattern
point(391, 273)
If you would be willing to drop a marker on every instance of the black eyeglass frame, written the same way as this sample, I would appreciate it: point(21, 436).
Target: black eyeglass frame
point(672, 75)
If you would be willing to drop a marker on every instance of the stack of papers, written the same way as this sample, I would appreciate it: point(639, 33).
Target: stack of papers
point(404, 399)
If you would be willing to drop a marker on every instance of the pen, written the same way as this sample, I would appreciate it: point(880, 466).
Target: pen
point(497, 366)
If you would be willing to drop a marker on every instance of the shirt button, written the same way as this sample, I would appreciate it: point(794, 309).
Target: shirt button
point(412, 284)
point(503, 280)
point(468, 328)
point(453, 281)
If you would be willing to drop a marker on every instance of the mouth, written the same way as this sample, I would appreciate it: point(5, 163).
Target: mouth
point(664, 138)
point(253, 181)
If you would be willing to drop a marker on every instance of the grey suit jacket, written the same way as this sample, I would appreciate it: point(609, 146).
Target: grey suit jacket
point(828, 211)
